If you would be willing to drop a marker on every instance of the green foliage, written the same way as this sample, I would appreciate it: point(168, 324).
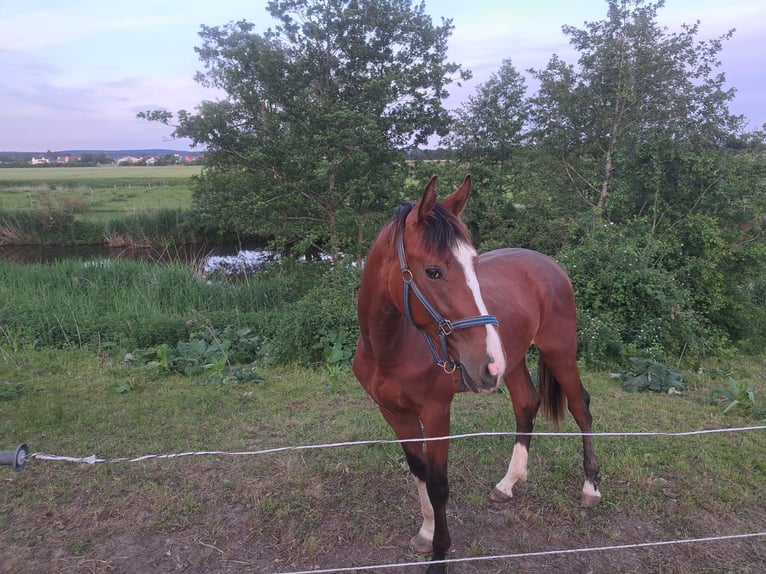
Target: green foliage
point(12, 390)
point(649, 375)
point(294, 311)
point(628, 304)
point(208, 355)
point(317, 113)
point(639, 122)
point(491, 125)
point(738, 395)
point(163, 226)
point(322, 325)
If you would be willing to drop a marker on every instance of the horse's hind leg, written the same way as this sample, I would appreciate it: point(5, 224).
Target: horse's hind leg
point(525, 404)
point(566, 373)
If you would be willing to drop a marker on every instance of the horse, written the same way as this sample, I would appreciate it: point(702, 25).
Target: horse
point(426, 333)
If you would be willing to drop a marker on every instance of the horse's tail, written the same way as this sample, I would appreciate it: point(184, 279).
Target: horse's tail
point(553, 401)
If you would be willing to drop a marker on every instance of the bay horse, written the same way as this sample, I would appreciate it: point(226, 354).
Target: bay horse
point(426, 333)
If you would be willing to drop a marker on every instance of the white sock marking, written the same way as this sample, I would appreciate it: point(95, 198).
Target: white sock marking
point(517, 470)
point(427, 528)
point(589, 489)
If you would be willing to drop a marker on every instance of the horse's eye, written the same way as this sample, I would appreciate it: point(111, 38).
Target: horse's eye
point(434, 273)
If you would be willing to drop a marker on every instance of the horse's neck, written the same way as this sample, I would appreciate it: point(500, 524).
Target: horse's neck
point(379, 319)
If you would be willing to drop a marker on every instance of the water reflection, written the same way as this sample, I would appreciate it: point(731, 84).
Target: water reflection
point(224, 258)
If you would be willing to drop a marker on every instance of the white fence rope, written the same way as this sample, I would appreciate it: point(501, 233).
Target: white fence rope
point(93, 459)
point(532, 554)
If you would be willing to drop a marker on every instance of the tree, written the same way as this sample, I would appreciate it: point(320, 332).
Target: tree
point(491, 126)
point(631, 122)
point(317, 112)
point(513, 203)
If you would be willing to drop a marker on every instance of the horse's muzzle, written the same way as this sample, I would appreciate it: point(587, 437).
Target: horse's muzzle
point(487, 383)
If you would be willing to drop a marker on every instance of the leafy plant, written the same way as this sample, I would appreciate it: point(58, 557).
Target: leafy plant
point(649, 375)
point(11, 391)
point(738, 395)
point(123, 386)
point(335, 346)
point(216, 355)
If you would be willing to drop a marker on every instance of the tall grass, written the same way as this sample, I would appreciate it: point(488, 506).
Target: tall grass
point(124, 304)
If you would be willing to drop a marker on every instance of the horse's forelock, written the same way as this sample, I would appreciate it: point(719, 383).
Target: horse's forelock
point(440, 232)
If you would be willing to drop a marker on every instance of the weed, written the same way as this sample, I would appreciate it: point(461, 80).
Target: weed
point(738, 395)
point(123, 386)
point(208, 355)
point(10, 391)
point(649, 375)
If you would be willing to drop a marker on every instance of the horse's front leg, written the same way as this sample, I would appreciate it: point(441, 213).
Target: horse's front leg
point(428, 463)
point(407, 427)
point(436, 423)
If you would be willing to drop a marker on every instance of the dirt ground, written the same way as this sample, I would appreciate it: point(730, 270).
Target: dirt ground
point(240, 523)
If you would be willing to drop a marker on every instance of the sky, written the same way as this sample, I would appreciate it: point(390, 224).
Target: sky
point(74, 74)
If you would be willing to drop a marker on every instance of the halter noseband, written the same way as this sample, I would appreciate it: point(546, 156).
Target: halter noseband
point(446, 327)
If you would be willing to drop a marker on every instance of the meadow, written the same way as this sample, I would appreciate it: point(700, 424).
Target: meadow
point(98, 194)
point(117, 206)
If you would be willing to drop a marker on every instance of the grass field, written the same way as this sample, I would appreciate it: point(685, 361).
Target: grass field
point(99, 193)
point(353, 506)
point(85, 175)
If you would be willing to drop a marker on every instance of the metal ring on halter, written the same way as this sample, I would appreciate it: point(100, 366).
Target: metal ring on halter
point(450, 366)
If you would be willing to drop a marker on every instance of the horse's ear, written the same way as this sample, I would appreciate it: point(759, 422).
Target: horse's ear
point(427, 202)
point(457, 200)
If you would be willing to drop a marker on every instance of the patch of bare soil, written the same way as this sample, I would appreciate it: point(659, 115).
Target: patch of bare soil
point(218, 519)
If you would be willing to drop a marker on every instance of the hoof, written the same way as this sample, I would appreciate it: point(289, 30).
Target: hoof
point(589, 500)
point(499, 497)
point(421, 545)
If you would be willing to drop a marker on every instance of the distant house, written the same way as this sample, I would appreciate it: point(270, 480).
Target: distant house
point(39, 160)
point(128, 160)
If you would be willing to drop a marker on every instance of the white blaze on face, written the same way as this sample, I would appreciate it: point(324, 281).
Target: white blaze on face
point(466, 255)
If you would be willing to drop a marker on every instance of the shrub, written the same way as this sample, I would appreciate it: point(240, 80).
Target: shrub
point(322, 325)
point(628, 303)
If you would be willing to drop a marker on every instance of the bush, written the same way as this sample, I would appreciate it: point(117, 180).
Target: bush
point(628, 304)
point(319, 327)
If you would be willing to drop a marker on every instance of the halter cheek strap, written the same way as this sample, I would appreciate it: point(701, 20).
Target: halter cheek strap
point(446, 327)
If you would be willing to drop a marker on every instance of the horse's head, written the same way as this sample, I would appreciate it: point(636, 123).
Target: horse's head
point(441, 294)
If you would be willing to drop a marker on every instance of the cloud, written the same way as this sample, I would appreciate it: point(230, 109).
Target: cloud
point(44, 28)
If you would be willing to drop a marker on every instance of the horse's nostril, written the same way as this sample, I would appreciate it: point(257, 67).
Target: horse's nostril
point(493, 367)
point(489, 375)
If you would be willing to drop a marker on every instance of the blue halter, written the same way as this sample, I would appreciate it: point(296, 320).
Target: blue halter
point(446, 327)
